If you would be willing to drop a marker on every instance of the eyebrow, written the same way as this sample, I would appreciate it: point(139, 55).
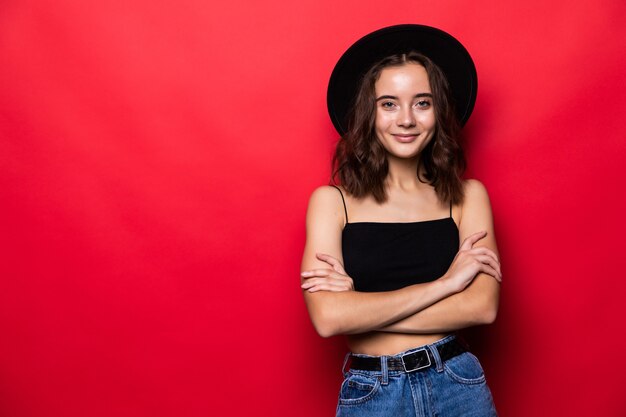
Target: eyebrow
point(415, 96)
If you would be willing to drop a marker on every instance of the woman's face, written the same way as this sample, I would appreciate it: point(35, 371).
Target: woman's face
point(405, 115)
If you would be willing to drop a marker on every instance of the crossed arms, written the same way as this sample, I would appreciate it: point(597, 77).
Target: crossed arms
point(467, 295)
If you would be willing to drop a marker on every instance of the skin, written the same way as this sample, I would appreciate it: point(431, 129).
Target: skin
point(390, 322)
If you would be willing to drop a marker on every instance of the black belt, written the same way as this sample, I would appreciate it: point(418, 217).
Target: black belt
point(414, 361)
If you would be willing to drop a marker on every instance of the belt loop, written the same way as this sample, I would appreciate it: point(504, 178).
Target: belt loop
point(345, 361)
point(435, 353)
point(384, 368)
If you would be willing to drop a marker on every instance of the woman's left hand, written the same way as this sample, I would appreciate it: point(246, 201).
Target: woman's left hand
point(324, 279)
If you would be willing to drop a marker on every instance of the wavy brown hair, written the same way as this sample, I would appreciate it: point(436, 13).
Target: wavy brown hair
point(360, 161)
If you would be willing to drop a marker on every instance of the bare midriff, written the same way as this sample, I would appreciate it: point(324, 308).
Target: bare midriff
point(385, 343)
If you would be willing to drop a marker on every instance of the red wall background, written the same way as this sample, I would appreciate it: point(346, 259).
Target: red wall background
point(156, 159)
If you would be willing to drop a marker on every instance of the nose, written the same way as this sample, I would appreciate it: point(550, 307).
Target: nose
point(406, 118)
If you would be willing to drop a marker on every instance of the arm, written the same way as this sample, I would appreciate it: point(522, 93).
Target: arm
point(348, 312)
point(478, 303)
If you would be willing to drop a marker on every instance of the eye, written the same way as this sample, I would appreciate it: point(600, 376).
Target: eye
point(423, 104)
point(387, 104)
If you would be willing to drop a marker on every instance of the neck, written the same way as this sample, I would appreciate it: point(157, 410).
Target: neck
point(402, 173)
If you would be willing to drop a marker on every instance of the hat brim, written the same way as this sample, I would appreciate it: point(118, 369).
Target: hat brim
point(443, 49)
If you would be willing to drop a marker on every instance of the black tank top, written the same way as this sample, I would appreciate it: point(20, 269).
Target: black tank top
point(390, 256)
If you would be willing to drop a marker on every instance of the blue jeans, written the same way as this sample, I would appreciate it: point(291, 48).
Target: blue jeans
point(454, 388)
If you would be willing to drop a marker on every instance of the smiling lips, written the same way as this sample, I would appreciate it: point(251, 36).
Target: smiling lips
point(406, 138)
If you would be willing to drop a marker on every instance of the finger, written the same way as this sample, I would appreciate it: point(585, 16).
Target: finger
point(333, 277)
point(329, 274)
point(471, 239)
point(490, 271)
point(485, 251)
point(485, 259)
point(316, 281)
point(328, 287)
point(320, 272)
point(490, 259)
point(337, 287)
point(336, 264)
point(313, 282)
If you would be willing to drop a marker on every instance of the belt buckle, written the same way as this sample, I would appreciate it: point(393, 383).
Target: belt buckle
point(415, 368)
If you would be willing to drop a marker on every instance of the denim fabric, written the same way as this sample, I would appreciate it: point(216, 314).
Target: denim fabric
point(454, 388)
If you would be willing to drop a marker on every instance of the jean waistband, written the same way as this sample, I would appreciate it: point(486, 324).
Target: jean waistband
point(415, 359)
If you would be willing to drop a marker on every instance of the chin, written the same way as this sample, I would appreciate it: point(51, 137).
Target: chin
point(407, 151)
point(405, 155)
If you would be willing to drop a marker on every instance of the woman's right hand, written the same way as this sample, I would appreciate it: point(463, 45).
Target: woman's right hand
point(326, 279)
point(470, 261)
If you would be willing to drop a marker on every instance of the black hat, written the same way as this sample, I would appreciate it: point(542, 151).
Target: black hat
point(444, 50)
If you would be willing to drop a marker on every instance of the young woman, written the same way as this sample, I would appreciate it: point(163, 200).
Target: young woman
point(403, 253)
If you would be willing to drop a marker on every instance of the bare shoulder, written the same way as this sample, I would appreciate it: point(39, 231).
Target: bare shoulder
point(476, 212)
point(325, 193)
point(324, 224)
point(326, 202)
point(475, 190)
